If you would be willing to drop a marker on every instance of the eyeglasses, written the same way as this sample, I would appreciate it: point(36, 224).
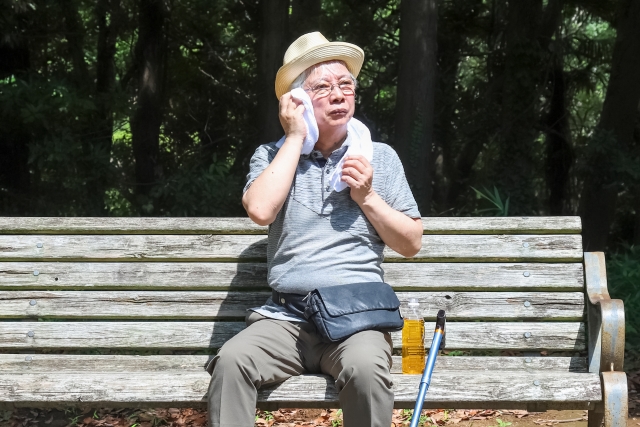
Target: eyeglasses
point(348, 87)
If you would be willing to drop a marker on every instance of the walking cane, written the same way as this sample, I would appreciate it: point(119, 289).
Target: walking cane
point(438, 336)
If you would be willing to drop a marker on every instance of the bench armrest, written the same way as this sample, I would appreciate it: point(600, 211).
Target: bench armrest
point(605, 318)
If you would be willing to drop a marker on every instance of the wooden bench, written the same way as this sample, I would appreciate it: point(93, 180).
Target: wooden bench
point(127, 312)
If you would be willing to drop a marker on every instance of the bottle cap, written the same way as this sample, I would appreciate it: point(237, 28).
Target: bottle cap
point(413, 302)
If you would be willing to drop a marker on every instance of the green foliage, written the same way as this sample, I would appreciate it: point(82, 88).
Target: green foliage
point(337, 422)
point(268, 415)
point(623, 277)
point(502, 423)
point(197, 191)
point(499, 208)
point(74, 416)
point(49, 108)
point(611, 164)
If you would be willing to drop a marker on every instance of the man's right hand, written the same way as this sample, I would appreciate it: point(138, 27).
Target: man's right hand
point(291, 117)
point(266, 196)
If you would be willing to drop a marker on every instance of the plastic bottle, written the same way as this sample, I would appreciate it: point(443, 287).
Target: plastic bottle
point(413, 354)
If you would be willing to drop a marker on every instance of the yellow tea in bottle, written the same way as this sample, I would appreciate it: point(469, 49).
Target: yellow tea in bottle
point(413, 354)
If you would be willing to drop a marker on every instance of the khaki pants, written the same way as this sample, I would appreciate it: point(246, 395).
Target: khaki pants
point(269, 351)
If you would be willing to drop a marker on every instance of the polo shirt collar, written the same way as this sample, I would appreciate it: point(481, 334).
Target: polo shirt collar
point(338, 152)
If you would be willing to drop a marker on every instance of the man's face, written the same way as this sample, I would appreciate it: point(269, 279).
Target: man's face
point(336, 108)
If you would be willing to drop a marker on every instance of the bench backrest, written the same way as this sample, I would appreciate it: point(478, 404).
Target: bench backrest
point(158, 285)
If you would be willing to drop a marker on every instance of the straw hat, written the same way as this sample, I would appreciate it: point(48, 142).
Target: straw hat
point(311, 49)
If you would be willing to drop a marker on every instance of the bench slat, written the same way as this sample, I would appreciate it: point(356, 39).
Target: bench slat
point(190, 336)
point(455, 248)
point(247, 275)
point(79, 225)
point(18, 363)
point(203, 305)
point(497, 389)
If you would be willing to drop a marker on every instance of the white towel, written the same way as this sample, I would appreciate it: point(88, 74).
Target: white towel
point(309, 119)
point(358, 141)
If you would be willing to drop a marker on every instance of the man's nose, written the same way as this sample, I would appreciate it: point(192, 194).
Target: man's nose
point(336, 94)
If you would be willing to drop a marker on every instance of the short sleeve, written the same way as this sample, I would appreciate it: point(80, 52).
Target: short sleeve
point(397, 192)
point(262, 157)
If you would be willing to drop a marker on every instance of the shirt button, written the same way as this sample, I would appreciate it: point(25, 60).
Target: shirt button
point(328, 188)
point(327, 171)
point(282, 300)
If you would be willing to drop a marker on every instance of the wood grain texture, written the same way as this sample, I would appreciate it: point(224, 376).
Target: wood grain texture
point(31, 363)
point(432, 225)
point(128, 257)
point(133, 247)
point(190, 336)
point(459, 389)
point(203, 305)
point(142, 275)
point(503, 225)
point(93, 225)
point(440, 248)
point(495, 248)
point(485, 276)
point(248, 275)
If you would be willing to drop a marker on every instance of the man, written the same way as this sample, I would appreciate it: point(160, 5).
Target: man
point(317, 237)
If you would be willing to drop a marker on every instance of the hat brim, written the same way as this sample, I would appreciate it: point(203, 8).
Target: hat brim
point(351, 54)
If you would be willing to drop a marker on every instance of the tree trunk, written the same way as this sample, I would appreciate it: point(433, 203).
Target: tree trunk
point(150, 54)
point(598, 200)
point(559, 153)
point(305, 17)
point(451, 42)
point(448, 60)
point(102, 120)
point(414, 124)
point(74, 33)
point(15, 180)
point(274, 15)
point(270, 47)
point(15, 55)
point(636, 229)
point(14, 169)
point(515, 166)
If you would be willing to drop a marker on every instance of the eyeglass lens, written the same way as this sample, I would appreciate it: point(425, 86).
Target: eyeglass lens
point(324, 89)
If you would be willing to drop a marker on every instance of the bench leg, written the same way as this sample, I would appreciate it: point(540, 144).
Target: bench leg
point(615, 408)
point(596, 416)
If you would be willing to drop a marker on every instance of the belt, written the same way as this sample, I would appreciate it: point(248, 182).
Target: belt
point(294, 303)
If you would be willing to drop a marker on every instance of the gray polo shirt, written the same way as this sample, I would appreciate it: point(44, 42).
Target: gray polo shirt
point(321, 237)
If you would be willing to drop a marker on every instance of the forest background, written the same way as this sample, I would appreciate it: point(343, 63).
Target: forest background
point(154, 107)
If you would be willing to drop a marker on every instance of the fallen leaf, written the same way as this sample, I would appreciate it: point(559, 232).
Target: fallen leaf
point(520, 413)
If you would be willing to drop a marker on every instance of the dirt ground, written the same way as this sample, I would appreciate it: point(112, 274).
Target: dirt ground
point(288, 418)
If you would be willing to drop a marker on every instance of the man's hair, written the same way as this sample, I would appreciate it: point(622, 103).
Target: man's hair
point(299, 81)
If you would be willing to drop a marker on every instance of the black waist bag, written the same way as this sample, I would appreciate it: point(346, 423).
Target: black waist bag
point(343, 310)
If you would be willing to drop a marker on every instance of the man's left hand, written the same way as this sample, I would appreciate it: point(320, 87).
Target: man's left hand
point(358, 174)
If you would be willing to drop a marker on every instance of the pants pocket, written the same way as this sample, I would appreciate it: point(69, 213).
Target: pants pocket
point(252, 317)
